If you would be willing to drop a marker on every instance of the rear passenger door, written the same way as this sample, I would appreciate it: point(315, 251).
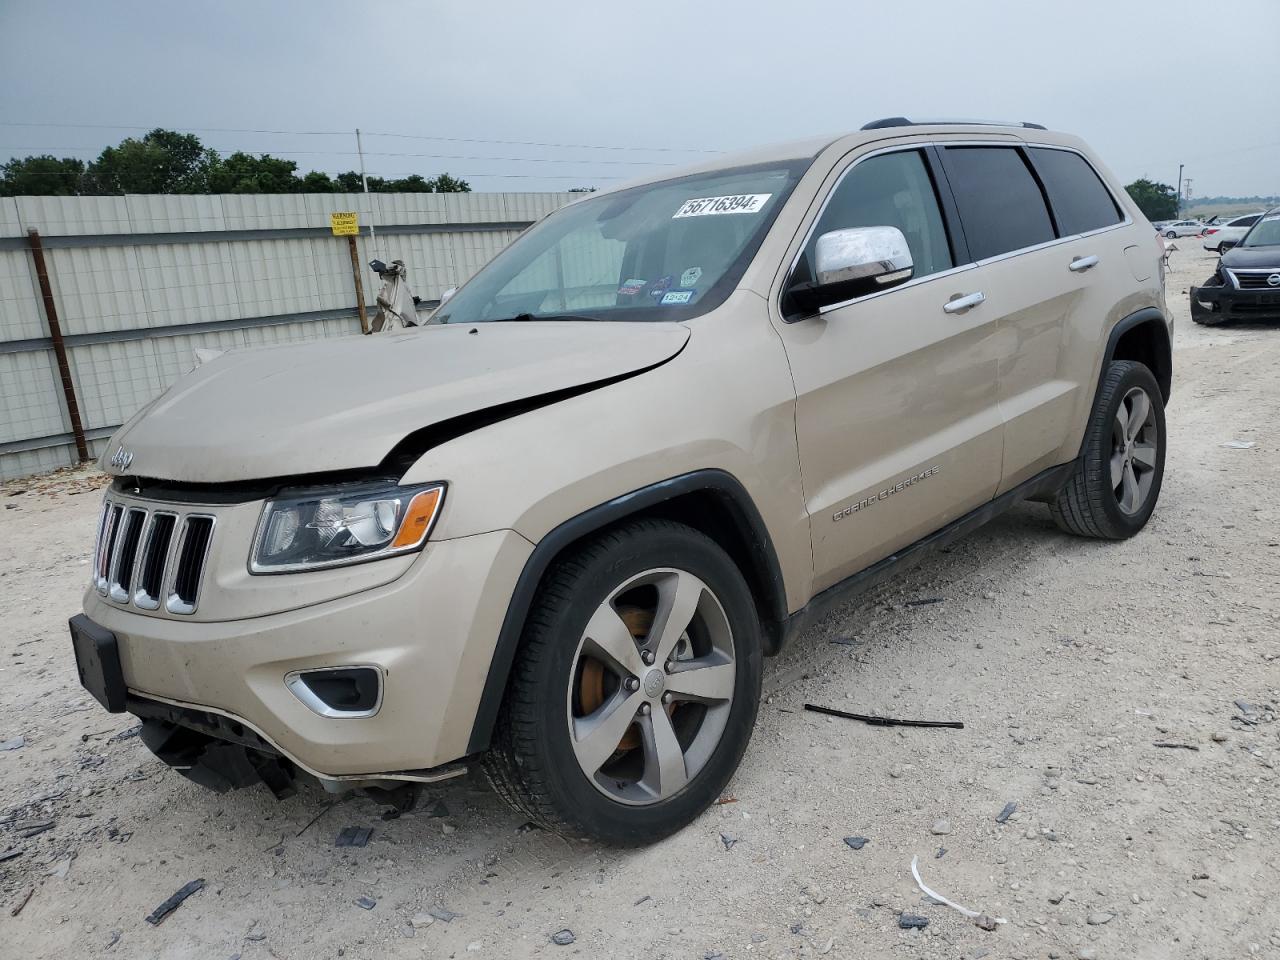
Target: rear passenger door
point(1049, 273)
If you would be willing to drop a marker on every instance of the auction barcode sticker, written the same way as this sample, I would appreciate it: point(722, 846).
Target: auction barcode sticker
point(710, 206)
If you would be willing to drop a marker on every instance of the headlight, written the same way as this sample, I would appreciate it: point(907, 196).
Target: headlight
point(331, 528)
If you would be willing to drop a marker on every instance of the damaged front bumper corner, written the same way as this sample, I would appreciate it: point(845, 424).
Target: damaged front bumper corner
point(1218, 304)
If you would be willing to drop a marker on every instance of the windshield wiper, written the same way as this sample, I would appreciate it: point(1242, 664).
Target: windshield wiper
point(543, 316)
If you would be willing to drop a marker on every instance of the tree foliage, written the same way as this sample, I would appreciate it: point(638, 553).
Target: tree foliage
point(164, 161)
point(1157, 201)
point(42, 176)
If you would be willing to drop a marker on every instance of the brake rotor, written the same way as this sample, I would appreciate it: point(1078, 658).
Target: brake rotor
point(591, 691)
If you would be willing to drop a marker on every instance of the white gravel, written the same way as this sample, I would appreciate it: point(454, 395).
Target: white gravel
point(1066, 659)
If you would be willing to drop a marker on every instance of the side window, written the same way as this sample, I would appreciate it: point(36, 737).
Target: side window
point(890, 190)
point(1245, 221)
point(1080, 201)
point(1000, 203)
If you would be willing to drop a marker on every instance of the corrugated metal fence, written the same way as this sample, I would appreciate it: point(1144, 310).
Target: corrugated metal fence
point(139, 282)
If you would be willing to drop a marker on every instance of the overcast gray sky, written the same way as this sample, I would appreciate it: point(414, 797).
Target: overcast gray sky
point(1149, 83)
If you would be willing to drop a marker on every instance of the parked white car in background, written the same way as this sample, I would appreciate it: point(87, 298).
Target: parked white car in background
point(1229, 231)
point(1182, 228)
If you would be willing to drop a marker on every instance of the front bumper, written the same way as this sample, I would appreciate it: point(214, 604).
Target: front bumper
point(430, 633)
point(1229, 303)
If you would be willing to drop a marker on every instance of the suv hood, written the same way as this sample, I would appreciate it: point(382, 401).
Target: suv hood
point(344, 404)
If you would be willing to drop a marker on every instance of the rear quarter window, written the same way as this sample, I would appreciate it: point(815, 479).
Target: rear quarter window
point(1000, 203)
point(1079, 199)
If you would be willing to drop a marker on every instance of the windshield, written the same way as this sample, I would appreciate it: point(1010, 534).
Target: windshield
point(1265, 233)
point(662, 251)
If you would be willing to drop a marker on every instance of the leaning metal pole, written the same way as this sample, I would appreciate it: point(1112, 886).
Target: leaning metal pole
point(59, 347)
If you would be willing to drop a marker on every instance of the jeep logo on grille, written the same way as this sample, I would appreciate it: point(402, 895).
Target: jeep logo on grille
point(1273, 280)
point(121, 459)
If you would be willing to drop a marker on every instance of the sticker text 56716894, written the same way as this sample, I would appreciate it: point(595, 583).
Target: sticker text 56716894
point(711, 206)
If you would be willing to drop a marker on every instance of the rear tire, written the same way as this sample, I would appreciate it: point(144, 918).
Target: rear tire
point(620, 723)
point(1117, 479)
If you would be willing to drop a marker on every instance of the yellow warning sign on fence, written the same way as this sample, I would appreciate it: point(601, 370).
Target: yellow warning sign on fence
point(344, 224)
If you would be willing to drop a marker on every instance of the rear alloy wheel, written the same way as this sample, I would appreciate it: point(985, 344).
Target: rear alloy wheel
point(635, 688)
point(1133, 450)
point(1116, 481)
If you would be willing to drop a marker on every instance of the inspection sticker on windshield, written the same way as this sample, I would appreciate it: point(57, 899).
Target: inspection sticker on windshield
point(677, 296)
point(710, 206)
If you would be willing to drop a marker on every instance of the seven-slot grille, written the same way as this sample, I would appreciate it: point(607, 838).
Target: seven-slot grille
point(1255, 279)
point(147, 557)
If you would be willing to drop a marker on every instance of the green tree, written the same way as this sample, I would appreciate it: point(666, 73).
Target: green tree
point(1157, 201)
point(447, 184)
point(244, 173)
point(317, 181)
point(42, 176)
point(348, 182)
point(163, 161)
point(414, 183)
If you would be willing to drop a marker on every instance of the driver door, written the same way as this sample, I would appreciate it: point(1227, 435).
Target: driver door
point(897, 414)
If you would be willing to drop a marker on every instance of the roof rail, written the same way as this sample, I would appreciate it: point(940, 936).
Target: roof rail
point(904, 122)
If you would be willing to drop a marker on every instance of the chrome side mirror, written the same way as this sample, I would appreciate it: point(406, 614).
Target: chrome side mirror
point(852, 262)
point(879, 254)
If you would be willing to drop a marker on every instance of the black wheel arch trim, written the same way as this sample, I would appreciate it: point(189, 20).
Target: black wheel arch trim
point(723, 485)
point(1147, 315)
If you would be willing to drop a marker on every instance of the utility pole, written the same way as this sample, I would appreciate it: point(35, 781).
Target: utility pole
point(373, 236)
point(1180, 166)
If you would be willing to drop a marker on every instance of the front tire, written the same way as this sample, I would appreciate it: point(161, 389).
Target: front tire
point(635, 689)
point(1171, 235)
point(1116, 481)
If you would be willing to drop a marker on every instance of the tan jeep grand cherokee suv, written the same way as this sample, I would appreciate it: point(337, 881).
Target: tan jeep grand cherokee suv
point(556, 531)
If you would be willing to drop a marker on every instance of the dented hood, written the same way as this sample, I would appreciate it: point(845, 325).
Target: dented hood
point(343, 404)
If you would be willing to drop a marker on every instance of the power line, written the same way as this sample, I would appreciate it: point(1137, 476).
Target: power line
point(347, 133)
point(428, 156)
point(388, 176)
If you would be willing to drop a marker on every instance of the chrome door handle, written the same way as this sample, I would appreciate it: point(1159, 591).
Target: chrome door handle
point(1081, 264)
point(959, 304)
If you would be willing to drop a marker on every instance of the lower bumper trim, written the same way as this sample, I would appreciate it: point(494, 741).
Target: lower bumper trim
point(224, 752)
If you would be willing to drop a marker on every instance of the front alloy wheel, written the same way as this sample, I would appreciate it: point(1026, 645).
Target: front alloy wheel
point(652, 686)
point(635, 688)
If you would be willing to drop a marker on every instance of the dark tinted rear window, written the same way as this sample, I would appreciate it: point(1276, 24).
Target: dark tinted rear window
point(1000, 203)
point(1080, 201)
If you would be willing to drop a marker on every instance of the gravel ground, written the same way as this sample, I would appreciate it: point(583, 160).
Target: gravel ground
point(1069, 661)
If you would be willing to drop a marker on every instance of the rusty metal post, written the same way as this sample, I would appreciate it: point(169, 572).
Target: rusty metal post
point(355, 272)
point(59, 347)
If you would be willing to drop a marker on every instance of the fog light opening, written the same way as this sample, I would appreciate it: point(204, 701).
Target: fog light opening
point(339, 692)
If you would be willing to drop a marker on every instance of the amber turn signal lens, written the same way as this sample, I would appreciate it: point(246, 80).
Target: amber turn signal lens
point(418, 518)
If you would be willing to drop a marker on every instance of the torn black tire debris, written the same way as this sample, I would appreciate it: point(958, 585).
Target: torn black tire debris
point(883, 721)
point(157, 916)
